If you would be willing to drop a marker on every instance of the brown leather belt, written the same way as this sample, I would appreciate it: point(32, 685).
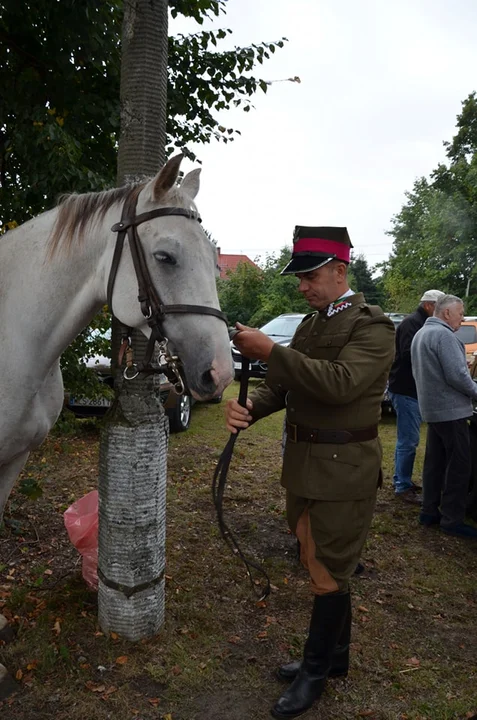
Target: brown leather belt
point(299, 433)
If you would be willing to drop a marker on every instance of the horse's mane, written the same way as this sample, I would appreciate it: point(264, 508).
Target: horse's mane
point(77, 212)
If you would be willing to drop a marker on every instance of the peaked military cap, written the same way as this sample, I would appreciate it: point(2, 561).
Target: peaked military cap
point(315, 246)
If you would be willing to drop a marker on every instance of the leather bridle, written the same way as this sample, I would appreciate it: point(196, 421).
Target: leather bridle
point(151, 306)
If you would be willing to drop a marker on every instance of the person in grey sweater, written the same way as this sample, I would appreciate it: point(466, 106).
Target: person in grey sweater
point(445, 392)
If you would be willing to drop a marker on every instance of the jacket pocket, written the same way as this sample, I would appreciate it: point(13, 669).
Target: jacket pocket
point(325, 471)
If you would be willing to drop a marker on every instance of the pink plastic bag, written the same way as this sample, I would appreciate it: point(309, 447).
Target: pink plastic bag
point(81, 522)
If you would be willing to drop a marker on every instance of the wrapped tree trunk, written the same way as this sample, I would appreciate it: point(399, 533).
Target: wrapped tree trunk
point(133, 454)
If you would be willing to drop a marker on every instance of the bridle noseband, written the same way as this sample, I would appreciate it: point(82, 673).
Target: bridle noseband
point(151, 307)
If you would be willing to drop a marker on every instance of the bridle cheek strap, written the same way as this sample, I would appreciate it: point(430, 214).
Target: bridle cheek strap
point(151, 307)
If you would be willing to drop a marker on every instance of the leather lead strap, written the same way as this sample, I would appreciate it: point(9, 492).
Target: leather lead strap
point(218, 489)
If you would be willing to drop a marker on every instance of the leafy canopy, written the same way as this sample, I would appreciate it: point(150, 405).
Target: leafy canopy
point(435, 232)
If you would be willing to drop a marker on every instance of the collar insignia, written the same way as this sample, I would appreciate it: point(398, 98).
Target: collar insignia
point(337, 307)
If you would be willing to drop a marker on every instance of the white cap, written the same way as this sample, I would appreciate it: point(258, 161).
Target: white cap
point(432, 296)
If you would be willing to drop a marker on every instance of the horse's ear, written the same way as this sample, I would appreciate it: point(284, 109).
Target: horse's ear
point(166, 177)
point(191, 183)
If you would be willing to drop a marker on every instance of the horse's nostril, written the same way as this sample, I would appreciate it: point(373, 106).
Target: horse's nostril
point(208, 381)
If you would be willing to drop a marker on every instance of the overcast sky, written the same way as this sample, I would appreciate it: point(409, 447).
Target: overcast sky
point(382, 82)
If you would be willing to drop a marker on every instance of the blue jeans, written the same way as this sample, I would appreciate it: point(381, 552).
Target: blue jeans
point(408, 425)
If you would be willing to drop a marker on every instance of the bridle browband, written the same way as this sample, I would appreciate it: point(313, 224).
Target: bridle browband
point(151, 306)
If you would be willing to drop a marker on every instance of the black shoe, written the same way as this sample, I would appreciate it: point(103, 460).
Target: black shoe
point(327, 623)
point(460, 529)
point(428, 519)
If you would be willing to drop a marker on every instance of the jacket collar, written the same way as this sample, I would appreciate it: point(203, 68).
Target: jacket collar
point(437, 321)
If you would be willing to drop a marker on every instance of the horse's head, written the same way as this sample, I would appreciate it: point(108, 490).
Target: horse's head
point(182, 264)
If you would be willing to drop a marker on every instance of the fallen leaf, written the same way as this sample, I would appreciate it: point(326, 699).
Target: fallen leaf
point(19, 674)
point(122, 660)
point(363, 609)
point(176, 670)
point(57, 627)
point(414, 662)
point(114, 636)
point(48, 572)
point(262, 634)
point(234, 639)
point(154, 701)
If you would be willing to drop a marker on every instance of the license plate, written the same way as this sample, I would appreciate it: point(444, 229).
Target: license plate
point(97, 402)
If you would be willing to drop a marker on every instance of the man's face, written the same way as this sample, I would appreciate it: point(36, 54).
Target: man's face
point(453, 315)
point(322, 286)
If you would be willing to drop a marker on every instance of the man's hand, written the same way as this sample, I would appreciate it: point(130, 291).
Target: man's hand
point(252, 343)
point(236, 416)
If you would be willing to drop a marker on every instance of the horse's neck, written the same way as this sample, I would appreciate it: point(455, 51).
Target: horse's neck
point(47, 302)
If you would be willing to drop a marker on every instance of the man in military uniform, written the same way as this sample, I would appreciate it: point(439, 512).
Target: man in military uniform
point(331, 380)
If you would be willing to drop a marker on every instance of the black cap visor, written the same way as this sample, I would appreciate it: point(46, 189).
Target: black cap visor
point(306, 263)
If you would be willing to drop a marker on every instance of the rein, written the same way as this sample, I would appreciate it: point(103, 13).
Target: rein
point(151, 306)
point(218, 489)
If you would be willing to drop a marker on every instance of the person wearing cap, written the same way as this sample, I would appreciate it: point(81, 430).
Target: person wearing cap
point(445, 391)
point(331, 380)
point(403, 395)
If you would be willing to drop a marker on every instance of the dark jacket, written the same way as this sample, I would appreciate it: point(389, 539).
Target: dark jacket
point(401, 380)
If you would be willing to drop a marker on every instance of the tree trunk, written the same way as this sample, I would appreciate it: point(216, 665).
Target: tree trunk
point(133, 453)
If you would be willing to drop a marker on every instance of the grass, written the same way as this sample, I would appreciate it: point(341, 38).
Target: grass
point(414, 636)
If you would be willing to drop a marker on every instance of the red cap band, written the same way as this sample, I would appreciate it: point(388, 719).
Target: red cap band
point(330, 247)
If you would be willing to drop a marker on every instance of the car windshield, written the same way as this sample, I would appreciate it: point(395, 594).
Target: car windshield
point(467, 334)
point(284, 326)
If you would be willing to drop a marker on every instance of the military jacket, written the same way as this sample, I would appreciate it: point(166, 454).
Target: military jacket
point(332, 377)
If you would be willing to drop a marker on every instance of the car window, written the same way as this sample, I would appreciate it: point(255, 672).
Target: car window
point(467, 334)
point(285, 325)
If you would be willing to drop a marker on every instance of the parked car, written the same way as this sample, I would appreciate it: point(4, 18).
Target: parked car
point(177, 407)
point(281, 329)
point(468, 334)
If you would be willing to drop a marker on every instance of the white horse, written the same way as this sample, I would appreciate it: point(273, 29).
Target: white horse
point(54, 274)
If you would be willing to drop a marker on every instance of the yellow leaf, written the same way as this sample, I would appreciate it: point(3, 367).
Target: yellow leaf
point(114, 636)
point(19, 674)
point(57, 627)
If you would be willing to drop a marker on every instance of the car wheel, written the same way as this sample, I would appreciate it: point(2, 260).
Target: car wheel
point(179, 415)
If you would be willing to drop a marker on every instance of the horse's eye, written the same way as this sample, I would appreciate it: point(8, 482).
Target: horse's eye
point(164, 257)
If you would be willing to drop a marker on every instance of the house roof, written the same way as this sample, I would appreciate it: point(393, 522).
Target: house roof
point(228, 263)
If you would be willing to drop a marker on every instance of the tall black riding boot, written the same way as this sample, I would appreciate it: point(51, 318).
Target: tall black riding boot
point(327, 622)
point(340, 661)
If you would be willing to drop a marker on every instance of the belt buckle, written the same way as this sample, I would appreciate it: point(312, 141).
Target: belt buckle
point(292, 432)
